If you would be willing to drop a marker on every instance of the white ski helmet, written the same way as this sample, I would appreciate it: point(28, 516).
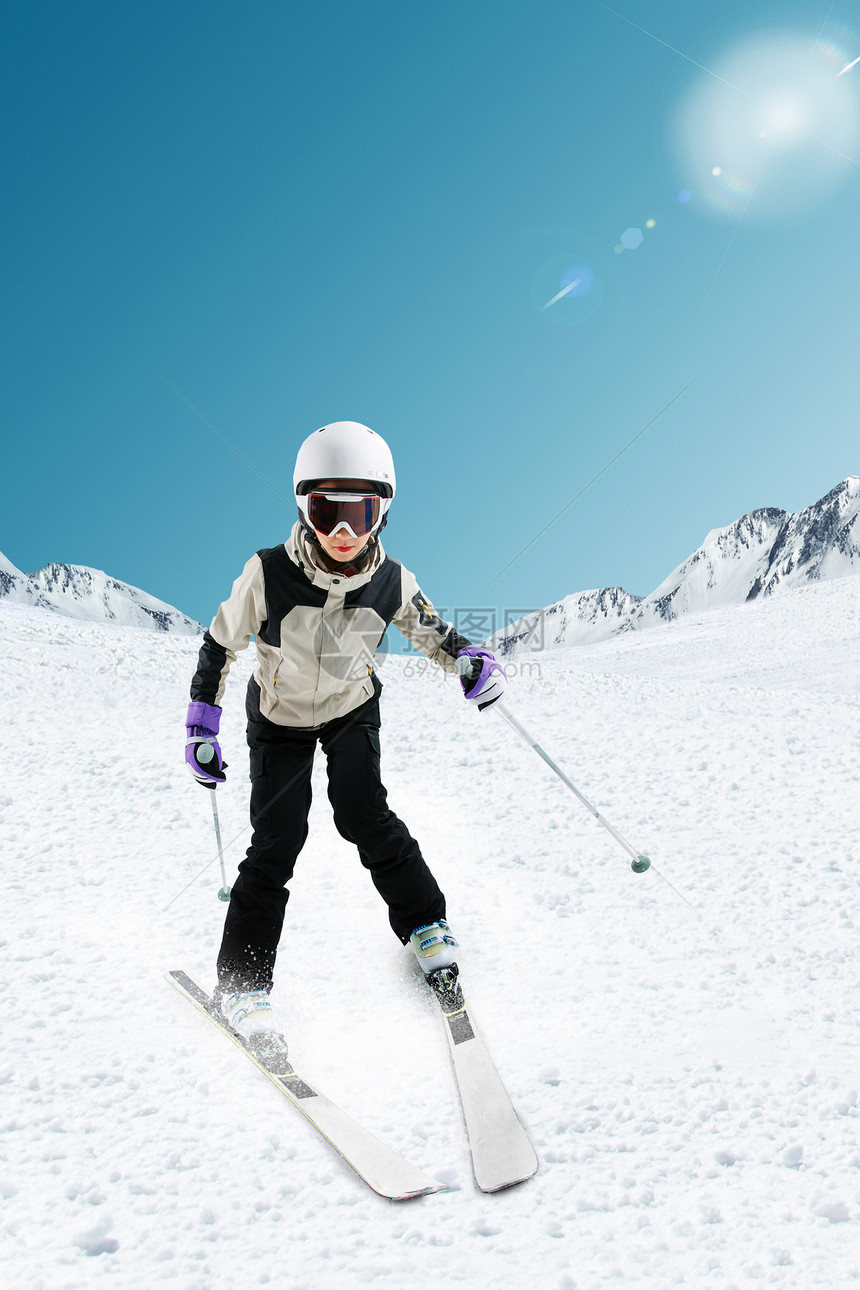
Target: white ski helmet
point(345, 450)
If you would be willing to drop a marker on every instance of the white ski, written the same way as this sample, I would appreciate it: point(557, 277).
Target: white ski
point(502, 1154)
point(382, 1169)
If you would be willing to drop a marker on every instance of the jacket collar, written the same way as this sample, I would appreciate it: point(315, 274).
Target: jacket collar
point(302, 553)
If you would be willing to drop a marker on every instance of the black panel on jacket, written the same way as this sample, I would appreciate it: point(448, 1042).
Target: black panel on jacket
point(286, 587)
point(210, 665)
point(382, 593)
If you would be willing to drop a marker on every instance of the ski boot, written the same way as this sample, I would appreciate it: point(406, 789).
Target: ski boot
point(434, 945)
point(250, 1014)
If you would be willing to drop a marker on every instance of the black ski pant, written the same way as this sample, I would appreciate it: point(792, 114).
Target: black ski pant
point(281, 763)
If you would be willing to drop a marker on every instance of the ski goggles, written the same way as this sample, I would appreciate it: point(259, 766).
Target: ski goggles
point(355, 512)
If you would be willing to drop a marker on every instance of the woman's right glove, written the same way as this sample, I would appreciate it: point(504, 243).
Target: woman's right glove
point(202, 750)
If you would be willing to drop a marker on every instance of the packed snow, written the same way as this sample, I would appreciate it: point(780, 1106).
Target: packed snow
point(689, 1076)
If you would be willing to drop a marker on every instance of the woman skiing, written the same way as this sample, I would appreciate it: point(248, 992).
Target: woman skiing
point(318, 606)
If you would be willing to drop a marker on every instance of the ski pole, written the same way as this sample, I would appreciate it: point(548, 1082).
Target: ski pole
point(639, 863)
point(205, 753)
point(224, 892)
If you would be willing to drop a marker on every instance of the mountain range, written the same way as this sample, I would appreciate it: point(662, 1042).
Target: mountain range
point(75, 591)
point(758, 555)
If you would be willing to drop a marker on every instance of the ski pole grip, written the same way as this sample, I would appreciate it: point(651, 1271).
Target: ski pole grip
point(467, 666)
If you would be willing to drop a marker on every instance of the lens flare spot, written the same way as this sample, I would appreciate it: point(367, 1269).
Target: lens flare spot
point(579, 280)
point(650, 223)
point(559, 295)
point(566, 291)
point(685, 197)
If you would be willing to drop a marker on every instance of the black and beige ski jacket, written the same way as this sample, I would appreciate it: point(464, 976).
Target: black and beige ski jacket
point(316, 632)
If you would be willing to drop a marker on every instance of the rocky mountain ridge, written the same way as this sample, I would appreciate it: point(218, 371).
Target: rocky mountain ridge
point(74, 591)
point(760, 554)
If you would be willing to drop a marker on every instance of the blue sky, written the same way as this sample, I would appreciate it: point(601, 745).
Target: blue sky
point(299, 214)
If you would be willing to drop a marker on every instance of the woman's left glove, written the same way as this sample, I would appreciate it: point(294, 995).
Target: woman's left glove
point(487, 682)
point(202, 750)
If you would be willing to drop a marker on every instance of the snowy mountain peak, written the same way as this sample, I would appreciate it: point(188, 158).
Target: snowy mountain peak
point(822, 541)
point(759, 554)
point(91, 595)
point(588, 615)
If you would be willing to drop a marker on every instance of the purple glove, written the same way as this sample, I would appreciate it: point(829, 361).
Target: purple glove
point(202, 750)
point(484, 684)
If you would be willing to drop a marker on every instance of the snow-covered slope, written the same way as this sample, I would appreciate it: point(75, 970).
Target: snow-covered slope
point(89, 594)
point(690, 1083)
point(579, 619)
point(761, 553)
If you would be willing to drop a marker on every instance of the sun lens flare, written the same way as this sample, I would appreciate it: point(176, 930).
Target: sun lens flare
point(784, 117)
point(782, 125)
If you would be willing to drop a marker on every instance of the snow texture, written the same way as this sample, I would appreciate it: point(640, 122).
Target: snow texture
point(690, 1081)
point(762, 553)
point(77, 592)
